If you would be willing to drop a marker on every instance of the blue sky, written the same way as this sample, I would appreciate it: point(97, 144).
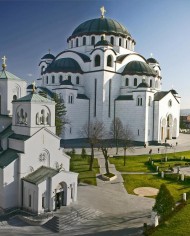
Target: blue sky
point(29, 28)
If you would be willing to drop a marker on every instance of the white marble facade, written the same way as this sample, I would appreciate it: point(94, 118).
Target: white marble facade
point(34, 170)
point(100, 77)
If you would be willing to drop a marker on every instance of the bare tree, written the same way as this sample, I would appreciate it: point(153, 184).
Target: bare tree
point(127, 142)
point(94, 131)
point(116, 131)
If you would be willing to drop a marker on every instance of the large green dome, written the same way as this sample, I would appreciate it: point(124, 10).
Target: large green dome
point(100, 26)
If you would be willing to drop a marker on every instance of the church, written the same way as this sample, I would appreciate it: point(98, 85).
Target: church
point(34, 171)
point(101, 77)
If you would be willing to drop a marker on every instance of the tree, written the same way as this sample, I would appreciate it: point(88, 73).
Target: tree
point(104, 147)
point(94, 132)
point(126, 140)
point(116, 131)
point(83, 153)
point(60, 112)
point(164, 202)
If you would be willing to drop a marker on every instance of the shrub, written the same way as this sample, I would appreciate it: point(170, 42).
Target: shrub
point(164, 202)
point(83, 153)
point(73, 151)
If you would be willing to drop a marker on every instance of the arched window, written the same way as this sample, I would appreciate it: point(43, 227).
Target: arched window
point(42, 118)
point(97, 61)
point(126, 44)
point(109, 61)
point(14, 97)
point(119, 41)
point(150, 83)
point(60, 78)
point(77, 80)
point(84, 40)
point(102, 38)
point(92, 40)
point(42, 69)
point(71, 99)
point(53, 79)
point(69, 78)
point(170, 103)
point(135, 81)
point(77, 42)
point(71, 43)
point(37, 119)
point(46, 79)
point(112, 40)
point(149, 100)
point(126, 82)
point(139, 101)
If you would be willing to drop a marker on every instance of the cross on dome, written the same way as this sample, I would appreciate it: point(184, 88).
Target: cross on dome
point(34, 86)
point(4, 62)
point(103, 11)
point(151, 54)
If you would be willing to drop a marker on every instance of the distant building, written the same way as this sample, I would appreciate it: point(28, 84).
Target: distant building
point(34, 170)
point(100, 77)
point(185, 121)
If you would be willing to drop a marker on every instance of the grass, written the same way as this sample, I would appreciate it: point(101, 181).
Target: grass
point(176, 188)
point(177, 225)
point(81, 166)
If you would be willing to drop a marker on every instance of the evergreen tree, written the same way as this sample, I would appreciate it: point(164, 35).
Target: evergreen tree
point(83, 153)
point(60, 112)
point(164, 202)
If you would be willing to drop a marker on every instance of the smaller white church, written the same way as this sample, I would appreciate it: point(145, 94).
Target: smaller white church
point(34, 170)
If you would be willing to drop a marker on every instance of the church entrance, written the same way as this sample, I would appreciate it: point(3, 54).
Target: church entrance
point(59, 199)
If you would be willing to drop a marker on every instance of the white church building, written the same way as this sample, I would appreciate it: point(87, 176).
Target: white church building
point(101, 77)
point(34, 170)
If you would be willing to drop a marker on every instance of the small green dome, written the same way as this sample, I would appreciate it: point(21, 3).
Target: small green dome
point(48, 56)
point(143, 85)
point(100, 26)
point(64, 65)
point(103, 43)
point(138, 68)
point(152, 60)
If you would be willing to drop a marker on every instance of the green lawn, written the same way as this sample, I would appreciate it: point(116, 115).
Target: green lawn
point(81, 166)
point(177, 225)
point(139, 163)
point(134, 181)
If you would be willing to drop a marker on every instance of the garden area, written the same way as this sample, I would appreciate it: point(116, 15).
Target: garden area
point(80, 164)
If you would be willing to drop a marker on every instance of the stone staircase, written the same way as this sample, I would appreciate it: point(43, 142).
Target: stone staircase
point(67, 222)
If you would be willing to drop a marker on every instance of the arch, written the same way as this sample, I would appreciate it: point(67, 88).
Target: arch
point(14, 97)
point(139, 101)
point(135, 81)
point(127, 82)
point(77, 42)
point(150, 82)
point(69, 78)
point(61, 194)
point(71, 43)
point(149, 101)
point(42, 118)
point(110, 61)
point(77, 80)
point(97, 60)
point(84, 41)
point(93, 40)
point(120, 41)
point(46, 79)
point(71, 98)
point(60, 78)
point(42, 69)
point(112, 40)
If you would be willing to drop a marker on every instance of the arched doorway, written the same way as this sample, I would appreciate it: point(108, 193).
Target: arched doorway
point(61, 195)
point(169, 126)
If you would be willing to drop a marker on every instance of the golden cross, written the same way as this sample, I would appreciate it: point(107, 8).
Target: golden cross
point(34, 86)
point(103, 11)
point(4, 62)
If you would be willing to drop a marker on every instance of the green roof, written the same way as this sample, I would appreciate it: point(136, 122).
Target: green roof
point(48, 56)
point(19, 137)
point(34, 97)
point(100, 26)
point(7, 75)
point(40, 175)
point(6, 132)
point(103, 43)
point(8, 156)
point(125, 97)
point(138, 68)
point(64, 65)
